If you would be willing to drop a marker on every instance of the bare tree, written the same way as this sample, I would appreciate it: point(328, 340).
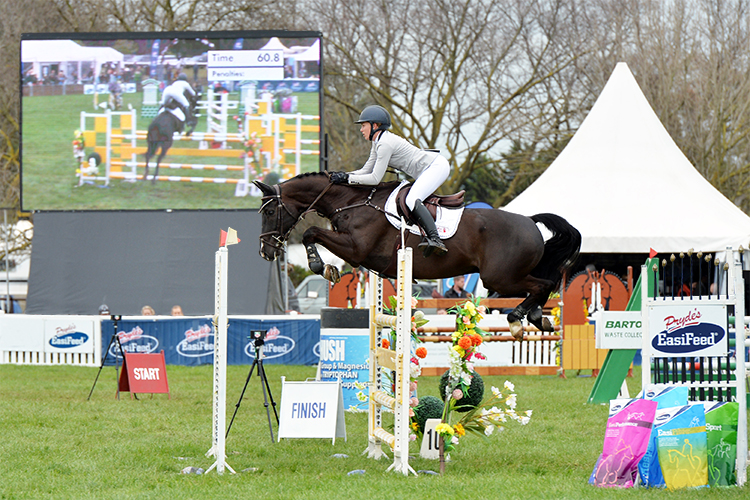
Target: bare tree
point(464, 76)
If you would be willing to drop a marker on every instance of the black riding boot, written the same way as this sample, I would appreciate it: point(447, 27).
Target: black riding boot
point(432, 242)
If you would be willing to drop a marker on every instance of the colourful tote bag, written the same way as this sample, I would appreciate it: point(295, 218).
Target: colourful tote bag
point(625, 442)
point(682, 446)
point(721, 434)
point(666, 396)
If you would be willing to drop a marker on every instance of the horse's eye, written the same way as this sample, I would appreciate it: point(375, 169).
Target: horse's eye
point(270, 211)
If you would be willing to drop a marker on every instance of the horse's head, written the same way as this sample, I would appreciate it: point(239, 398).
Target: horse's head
point(277, 218)
point(281, 212)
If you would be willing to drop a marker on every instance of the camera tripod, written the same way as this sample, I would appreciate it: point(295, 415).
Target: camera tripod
point(115, 339)
point(258, 363)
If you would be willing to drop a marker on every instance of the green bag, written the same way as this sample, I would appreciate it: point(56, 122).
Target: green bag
point(721, 429)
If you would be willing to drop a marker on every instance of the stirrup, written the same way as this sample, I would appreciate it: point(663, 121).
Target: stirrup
point(430, 246)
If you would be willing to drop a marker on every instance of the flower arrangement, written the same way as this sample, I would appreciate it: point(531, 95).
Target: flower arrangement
point(252, 152)
point(494, 410)
point(415, 369)
point(466, 340)
point(79, 146)
point(483, 419)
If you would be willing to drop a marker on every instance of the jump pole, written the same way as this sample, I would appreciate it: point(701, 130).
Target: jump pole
point(220, 320)
point(384, 359)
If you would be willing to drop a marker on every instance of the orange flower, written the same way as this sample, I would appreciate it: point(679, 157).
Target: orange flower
point(385, 343)
point(476, 339)
point(465, 342)
point(421, 352)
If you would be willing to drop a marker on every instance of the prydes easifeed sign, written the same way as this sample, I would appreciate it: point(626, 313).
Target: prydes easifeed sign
point(688, 330)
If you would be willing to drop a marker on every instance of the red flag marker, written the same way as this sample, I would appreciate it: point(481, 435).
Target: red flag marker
point(652, 254)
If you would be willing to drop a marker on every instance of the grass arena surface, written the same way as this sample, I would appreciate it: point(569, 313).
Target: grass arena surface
point(55, 444)
point(48, 174)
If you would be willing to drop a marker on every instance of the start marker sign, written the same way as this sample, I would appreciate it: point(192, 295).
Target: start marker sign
point(144, 373)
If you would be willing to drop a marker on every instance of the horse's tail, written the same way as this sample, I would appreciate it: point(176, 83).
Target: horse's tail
point(560, 251)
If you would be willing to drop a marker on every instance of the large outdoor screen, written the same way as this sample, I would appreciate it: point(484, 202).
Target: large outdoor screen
point(224, 109)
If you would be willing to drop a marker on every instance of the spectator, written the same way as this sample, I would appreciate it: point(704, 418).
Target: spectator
point(457, 290)
point(177, 310)
point(148, 311)
point(104, 310)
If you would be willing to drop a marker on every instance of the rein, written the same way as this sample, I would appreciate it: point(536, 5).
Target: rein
point(276, 235)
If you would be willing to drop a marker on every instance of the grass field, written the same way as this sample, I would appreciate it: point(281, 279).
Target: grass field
point(55, 444)
point(48, 166)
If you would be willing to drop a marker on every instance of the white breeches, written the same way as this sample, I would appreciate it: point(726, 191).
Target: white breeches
point(429, 181)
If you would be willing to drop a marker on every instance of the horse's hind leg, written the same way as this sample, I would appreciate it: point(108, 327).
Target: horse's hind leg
point(164, 148)
point(531, 307)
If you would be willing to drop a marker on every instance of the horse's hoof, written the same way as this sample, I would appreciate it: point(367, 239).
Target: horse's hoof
point(547, 326)
point(331, 273)
point(516, 329)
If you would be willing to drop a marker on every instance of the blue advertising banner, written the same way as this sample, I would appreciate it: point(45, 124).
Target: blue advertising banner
point(345, 355)
point(190, 341)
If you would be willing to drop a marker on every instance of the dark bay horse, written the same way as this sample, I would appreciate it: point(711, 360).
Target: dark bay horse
point(161, 132)
point(506, 249)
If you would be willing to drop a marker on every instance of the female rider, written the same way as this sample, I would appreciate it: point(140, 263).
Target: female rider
point(428, 169)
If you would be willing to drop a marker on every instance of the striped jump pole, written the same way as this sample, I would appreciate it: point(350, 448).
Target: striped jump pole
point(397, 361)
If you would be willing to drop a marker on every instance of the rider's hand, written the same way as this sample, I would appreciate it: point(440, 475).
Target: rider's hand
point(339, 177)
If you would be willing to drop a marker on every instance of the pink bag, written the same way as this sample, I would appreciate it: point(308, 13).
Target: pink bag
point(625, 442)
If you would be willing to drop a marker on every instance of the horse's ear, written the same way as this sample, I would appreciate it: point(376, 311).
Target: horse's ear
point(267, 190)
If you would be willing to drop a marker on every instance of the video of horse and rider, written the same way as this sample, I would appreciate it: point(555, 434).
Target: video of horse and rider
point(166, 121)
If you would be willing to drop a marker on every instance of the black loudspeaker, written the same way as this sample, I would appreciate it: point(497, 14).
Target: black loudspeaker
point(746, 279)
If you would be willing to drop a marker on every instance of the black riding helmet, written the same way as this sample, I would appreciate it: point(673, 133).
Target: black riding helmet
point(375, 114)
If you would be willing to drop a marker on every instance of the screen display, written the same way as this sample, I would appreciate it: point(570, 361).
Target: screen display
point(215, 110)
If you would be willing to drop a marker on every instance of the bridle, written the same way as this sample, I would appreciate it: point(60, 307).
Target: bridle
point(277, 238)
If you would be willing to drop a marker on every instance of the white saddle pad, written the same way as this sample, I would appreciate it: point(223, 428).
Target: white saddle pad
point(446, 223)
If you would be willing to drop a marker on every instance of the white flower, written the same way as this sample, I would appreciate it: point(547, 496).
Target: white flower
point(528, 412)
point(415, 370)
point(495, 391)
point(454, 440)
point(419, 315)
point(412, 437)
point(509, 385)
point(466, 378)
point(511, 401)
point(488, 430)
point(524, 420)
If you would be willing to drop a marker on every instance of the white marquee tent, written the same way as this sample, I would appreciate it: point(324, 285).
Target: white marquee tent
point(39, 53)
point(627, 187)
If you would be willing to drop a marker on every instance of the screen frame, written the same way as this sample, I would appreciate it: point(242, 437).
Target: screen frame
point(164, 35)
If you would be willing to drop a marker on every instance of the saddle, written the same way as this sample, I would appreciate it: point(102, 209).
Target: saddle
point(455, 200)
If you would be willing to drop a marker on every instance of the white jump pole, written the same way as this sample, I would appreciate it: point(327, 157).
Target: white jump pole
point(218, 429)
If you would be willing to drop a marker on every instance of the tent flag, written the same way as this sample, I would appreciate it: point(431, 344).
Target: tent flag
point(652, 253)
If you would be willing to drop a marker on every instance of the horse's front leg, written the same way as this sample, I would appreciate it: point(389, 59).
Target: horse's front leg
point(337, 242)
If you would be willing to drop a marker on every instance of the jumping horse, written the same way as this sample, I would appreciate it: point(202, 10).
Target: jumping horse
point(506, 249)
point(161, 132)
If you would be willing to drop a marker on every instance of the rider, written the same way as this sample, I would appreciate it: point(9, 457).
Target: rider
point(428, 169)
point(176, 99)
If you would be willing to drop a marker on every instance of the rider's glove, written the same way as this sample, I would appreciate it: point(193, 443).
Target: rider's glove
point(339, 177)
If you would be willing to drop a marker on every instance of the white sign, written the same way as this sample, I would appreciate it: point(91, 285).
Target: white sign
point(688, 330)
point(238, 65)
point(430, 448)
point(619, 329)
point(311, 409)
point(68, 335)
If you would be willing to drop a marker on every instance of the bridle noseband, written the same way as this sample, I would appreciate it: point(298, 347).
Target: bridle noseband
point(275, 235)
